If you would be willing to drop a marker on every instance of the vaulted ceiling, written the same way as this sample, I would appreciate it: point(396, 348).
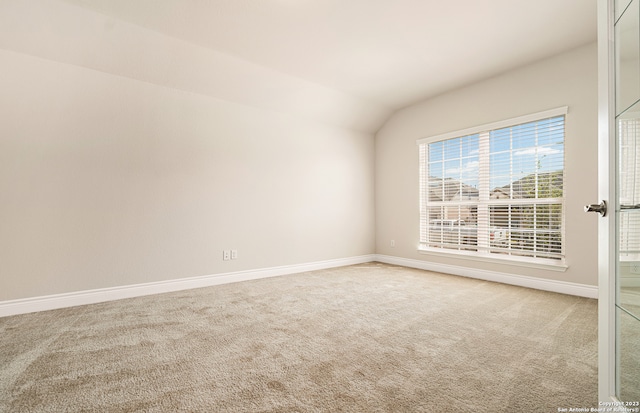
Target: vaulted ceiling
point(344, 63)
point(392, 52)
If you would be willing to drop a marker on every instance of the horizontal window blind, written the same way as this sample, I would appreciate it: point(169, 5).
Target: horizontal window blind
point(497, 191)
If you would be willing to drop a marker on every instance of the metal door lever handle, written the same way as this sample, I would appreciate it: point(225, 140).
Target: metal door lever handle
point(600, 208)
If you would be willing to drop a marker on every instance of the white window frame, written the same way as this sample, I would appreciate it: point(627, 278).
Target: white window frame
point(483, 254)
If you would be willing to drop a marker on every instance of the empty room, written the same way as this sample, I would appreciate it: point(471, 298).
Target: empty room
point(319, 205)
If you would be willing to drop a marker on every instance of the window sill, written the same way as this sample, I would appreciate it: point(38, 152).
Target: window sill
point(543, 264)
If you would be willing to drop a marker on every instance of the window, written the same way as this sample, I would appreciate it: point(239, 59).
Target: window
point(496, 190)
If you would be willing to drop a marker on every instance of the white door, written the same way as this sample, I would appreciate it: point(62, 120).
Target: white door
point(619, 187)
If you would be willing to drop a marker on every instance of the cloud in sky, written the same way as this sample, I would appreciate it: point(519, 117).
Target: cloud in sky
point(469, 167)
point(545, 150)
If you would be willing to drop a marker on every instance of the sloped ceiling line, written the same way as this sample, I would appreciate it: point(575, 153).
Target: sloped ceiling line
point(70, 34)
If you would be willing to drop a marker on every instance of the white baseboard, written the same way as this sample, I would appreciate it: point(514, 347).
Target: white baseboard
point(52, 302)
point(563, 287)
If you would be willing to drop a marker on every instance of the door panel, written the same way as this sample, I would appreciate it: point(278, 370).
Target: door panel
point(620, 6)
point(628, 356)
point(627, 49)
point(627, 211)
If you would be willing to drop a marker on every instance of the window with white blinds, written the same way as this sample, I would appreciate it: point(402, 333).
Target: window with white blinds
point(496, 190)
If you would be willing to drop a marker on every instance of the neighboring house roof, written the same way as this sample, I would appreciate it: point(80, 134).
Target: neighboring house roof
point(449, 189)
point(500, 193)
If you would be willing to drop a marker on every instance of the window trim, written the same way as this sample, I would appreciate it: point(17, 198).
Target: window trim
point(563, 110)
point(531, 262)
point(527, 262)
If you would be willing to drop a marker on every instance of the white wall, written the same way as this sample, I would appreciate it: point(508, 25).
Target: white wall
point(566, 80)
point(127, 157)
point(115, 177)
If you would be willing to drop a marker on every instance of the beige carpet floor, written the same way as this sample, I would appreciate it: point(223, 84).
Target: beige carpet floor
point(363, 338)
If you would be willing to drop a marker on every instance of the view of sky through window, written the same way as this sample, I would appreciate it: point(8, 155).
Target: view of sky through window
point(514, 153)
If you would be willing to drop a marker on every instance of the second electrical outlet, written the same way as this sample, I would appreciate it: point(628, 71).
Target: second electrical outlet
point(229, 255)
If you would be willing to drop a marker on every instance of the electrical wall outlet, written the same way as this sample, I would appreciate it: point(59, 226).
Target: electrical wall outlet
point(393, 243)
point(234, 254)
point(634, 267)
point(226, 255)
